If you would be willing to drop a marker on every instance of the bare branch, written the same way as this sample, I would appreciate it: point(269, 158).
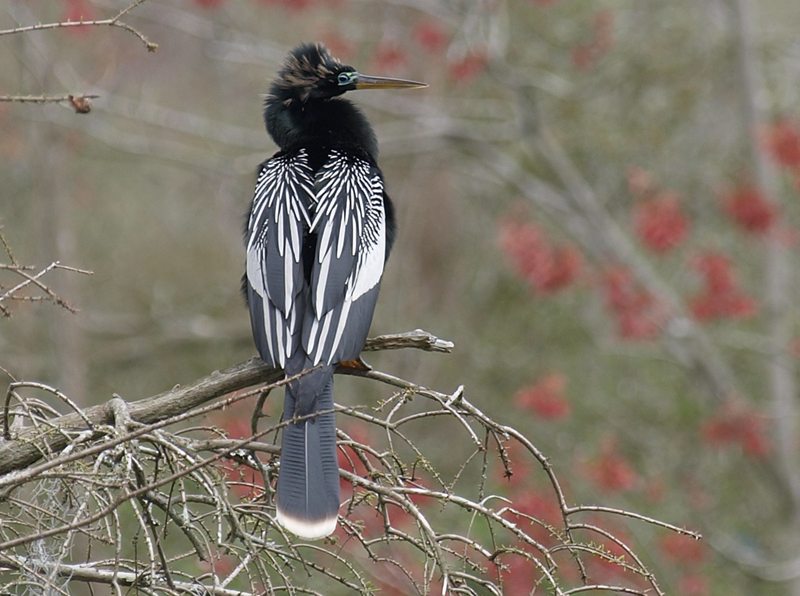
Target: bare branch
point(28, 446)
point(418, 338)
point(644, 518)
point(34, 280)
point(7, 248)
point(82, 104)
point(219, 507)
point(112, 22)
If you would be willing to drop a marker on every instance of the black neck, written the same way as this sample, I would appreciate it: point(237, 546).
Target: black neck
point(323, 122)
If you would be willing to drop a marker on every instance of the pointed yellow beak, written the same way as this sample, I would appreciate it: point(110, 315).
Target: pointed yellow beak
point(368, 82)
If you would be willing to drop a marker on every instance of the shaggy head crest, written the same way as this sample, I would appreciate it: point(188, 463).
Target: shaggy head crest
point(309, 71)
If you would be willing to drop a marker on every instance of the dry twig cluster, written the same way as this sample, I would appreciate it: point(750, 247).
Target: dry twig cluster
point(149, 495)
point(23, 283)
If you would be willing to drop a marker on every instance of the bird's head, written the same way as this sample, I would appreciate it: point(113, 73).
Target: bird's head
point(310, 72)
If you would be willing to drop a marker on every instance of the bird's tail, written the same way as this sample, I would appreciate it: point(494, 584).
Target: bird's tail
point(308, 479)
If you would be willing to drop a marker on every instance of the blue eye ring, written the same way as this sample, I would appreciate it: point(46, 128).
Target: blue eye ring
point(345, 78)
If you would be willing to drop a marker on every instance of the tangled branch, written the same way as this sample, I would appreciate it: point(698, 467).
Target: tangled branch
point(25, 278)
point(191, 509)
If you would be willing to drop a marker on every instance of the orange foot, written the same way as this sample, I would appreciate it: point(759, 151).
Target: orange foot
point(357, 364)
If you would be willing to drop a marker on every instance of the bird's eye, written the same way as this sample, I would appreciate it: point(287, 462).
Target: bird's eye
point(345, 78)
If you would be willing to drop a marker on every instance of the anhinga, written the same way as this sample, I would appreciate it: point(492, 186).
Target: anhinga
point(319, 232)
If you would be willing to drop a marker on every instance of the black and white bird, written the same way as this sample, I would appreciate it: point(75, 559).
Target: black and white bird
point(318, 235)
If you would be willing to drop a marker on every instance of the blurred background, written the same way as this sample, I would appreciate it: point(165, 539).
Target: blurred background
point(597, 202)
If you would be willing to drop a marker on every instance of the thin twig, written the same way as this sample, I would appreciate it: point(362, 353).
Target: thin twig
point(7, 248)
point(112, 22)
point(82, 104)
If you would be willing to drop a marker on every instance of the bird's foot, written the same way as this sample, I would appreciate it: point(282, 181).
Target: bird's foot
point(358, 365)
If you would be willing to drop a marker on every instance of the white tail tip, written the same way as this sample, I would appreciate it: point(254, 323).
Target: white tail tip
point(309, 530)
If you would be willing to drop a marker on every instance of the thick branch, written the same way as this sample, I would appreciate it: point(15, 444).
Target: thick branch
point(412, 339)
point(90, 574)
point(28, 446)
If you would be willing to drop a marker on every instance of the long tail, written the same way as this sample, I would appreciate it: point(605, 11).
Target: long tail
point(308, 479)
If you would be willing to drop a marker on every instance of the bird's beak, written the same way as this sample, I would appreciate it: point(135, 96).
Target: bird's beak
point(368, 82)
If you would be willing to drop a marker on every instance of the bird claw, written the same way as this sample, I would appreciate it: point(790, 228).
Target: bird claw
point(357, 364)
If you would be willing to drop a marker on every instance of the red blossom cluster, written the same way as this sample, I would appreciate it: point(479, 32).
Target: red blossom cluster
point(610, 471)
point(683, 549)
point(469, 67)
point(736, 424)
point(721, 297)
point(660, 222)
point(389, 58)
point(586, 55)
point(749, 209)
point(781, 140)
point(546, 398)
point(547, 268)
point(430, 36)
point(637, 313)
point(658, 219)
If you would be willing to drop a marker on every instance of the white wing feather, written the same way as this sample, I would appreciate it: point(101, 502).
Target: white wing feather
point(283, 193)
point(349, 202)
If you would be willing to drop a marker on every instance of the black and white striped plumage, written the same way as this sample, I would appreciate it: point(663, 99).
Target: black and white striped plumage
point(318, 235)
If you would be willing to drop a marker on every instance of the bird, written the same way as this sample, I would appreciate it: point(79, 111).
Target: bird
point(319, 232)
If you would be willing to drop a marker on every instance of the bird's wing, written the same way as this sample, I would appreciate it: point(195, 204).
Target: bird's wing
point(279, 220)
point(350, 224)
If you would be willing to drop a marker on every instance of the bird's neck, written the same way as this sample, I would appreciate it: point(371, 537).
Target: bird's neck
point(330, 123)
